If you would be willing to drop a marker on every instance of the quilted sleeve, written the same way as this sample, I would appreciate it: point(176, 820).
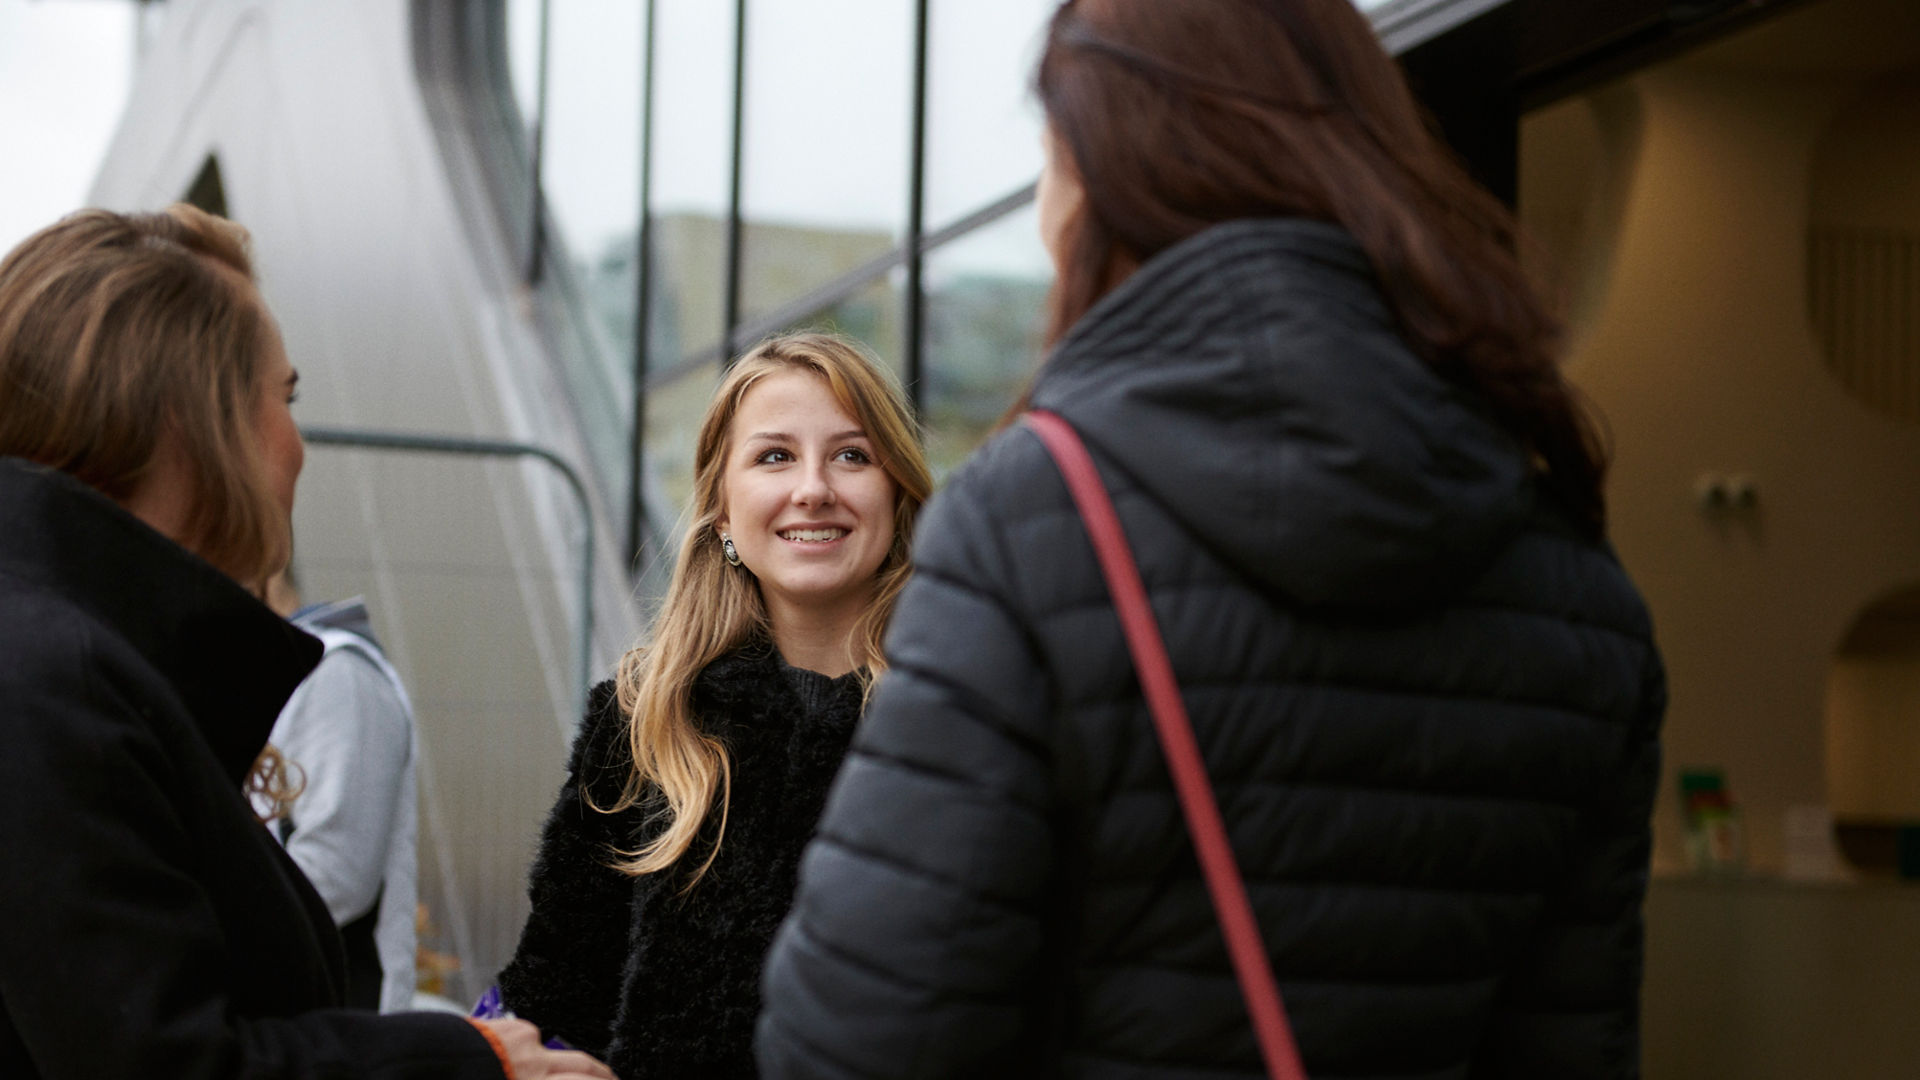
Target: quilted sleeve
point(912, 946)
point(1571, 1008)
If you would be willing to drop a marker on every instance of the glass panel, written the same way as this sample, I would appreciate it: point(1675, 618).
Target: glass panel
point(828, 126)
point(692, 165)
point(986, 295)
point(523, 55)
point(591, 181)
point(592, 166)
point(983, 125)
point(874, 316)
point(674, 410)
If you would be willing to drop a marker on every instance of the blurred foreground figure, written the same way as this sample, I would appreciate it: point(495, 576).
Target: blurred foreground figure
point(1369, 517)
point(348, 729)
point(153, 928)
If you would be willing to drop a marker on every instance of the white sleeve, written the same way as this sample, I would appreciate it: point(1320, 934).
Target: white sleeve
point(349, 731)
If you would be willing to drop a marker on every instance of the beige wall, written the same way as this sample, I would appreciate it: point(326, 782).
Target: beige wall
point(1873, 739)
point(1692, 336)
point(1680, 202)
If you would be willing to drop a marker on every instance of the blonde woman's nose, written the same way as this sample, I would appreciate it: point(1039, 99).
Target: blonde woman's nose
point(815, 487)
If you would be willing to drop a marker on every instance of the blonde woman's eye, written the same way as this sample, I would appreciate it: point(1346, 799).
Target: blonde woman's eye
point(773, 457)
point(855, 455)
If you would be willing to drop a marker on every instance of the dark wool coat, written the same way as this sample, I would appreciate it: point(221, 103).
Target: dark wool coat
point(1428, 705)
point(658, 985)
point(153, 928)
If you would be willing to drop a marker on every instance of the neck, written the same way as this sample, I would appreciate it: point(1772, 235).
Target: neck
point(163, 496)
point(813, 638)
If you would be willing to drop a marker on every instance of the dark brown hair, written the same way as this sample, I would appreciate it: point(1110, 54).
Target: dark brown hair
point(1180, 116)
point(119, 330)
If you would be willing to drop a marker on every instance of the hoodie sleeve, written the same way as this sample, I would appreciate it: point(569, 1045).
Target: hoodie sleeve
point(1571, 1006)
point(912, 946)
point(351, 735)
point(565, 974)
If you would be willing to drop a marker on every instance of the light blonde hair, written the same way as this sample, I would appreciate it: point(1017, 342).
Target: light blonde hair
point(678, 772)
point(119, 331)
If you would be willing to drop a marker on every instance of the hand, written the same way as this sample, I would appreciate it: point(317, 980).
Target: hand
point(532, 1061)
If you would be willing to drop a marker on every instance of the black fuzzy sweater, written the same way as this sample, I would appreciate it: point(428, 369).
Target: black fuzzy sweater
point(657, 984)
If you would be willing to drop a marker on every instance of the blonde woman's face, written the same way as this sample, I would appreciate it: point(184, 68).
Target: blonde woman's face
point(806, 502)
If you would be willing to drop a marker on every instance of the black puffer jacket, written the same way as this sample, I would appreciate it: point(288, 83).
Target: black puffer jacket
point(1430, 709)
point(657, 984)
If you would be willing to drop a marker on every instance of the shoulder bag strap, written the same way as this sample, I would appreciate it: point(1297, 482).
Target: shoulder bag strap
point(1170, 722)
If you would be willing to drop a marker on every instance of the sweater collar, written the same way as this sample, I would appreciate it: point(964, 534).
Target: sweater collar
point(229, 657)
point(748, 674)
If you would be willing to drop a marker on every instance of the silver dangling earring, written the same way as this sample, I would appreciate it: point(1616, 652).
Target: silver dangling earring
point(726, 548)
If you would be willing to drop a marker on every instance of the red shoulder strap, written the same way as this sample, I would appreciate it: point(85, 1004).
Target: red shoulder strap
point(1170, 721)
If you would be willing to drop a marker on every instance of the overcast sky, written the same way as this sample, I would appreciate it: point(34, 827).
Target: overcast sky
point(65, 66)
point(64, 70)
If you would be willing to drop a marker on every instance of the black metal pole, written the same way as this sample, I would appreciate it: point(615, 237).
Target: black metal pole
point(735, 230)
point(638, 527)
point(916, 220)
point(537, 235)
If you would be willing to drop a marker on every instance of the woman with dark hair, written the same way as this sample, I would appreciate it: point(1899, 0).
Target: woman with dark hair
point(147, 467)
point(1368, 514)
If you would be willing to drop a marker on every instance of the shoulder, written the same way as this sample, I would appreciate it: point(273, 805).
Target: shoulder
point(1003, 533)
point(1551, 566)
point(44, 636)
point(352, 677)
point(1562, 604)
point(1009, 478)
point(600, 759)
point(1006, 497)
point(56, 651)
point(84, 718)
point(602, 724)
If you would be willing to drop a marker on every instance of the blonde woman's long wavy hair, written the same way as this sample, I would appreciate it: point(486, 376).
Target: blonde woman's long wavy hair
point(680, 773)
point(120, 330)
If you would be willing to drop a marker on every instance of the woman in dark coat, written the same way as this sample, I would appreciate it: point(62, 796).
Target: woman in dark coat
point(1368, 515)
point(669, 859)
point(153, 928)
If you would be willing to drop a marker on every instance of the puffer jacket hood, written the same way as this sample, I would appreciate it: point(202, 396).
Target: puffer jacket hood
point(1346, 472)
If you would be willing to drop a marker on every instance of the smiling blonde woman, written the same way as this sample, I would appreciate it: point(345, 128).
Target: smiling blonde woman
point(671, 854)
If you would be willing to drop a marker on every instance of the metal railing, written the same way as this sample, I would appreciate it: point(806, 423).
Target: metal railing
point(459, 445)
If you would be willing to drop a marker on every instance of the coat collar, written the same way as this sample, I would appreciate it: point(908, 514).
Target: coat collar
point(229, 657)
